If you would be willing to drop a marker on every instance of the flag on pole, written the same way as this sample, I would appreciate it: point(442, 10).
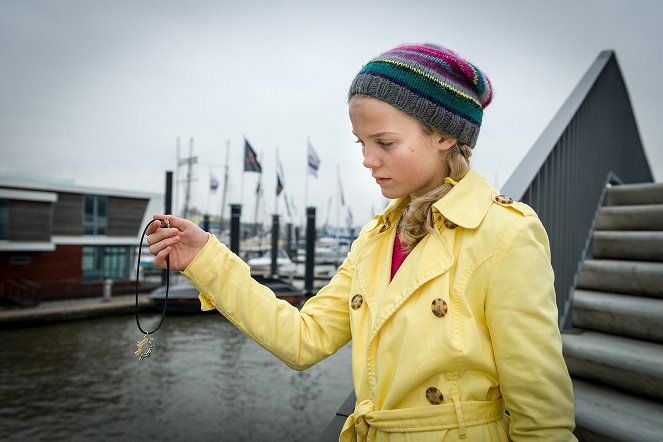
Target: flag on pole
point(287, 205)
point(313, 161)
point(213, 183)
point(280, 179)
point(251, 163)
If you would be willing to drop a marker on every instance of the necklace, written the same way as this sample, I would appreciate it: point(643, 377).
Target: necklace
point(145, 345)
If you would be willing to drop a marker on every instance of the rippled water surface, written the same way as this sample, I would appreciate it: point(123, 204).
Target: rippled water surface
point(79, 381)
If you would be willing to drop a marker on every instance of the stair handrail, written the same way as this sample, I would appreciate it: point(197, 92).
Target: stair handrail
point(594, 135)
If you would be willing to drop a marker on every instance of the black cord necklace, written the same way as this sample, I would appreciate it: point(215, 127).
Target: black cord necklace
point(145, 345)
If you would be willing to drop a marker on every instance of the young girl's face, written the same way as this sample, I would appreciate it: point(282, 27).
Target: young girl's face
point(403, 159)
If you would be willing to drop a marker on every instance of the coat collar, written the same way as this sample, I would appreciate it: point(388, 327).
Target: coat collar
point(468, 202)
point(465, 205)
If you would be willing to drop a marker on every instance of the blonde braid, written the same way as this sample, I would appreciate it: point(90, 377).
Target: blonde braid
point(417, 219)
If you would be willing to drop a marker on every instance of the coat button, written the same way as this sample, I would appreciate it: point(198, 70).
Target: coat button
point(439, 307)
point(434, 396)
point(502, 199)
point(357, 301)
point(449, 224)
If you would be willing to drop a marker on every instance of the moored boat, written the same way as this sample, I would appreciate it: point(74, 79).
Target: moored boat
point(183, 297)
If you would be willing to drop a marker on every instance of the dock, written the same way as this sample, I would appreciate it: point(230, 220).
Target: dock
point(86, 308)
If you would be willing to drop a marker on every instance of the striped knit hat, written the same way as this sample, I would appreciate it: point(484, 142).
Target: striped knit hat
point(432, 84)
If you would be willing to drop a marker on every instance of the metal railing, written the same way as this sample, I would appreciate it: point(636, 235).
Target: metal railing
point(593, 140)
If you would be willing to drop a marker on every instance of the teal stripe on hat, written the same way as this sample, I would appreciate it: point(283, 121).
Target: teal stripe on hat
point(444, 96)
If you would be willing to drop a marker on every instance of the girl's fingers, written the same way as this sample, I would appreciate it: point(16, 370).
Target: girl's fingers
point(156, 233)
point(160, 258)
point(154, 226)
point(173, 221)
point(157, 247)
point(161, 235)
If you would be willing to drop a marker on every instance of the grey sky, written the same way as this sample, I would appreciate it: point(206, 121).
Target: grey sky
point(98, 91)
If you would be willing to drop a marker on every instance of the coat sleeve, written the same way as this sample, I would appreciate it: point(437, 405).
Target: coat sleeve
point(521, 313)
point(298, 338)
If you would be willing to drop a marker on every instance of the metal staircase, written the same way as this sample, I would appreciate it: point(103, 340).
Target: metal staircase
point(614, 352)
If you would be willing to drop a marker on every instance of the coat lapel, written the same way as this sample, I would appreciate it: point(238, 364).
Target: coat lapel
point(372, 271)
point(431, 258)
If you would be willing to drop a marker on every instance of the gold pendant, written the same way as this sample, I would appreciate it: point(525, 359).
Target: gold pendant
point(145, 347)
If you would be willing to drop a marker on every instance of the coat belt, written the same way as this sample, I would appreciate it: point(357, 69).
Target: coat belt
point(366, 421)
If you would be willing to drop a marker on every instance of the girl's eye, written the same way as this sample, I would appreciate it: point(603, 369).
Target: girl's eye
point(385, 143)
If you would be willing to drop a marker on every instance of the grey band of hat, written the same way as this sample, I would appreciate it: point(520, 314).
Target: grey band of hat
point(431, 114)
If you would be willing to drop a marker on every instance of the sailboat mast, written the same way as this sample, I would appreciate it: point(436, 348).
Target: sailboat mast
point(177, 176)
point(187, 192)
point(338, 201)
point(189, 161)
point(225, 185)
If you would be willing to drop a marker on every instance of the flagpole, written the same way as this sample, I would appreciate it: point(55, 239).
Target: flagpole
point(341, 197)
point(209, 191)
point(339, 191)
point(177, 181)
point(308, 141)
point(225, 186)
point(241, 193)
point(276, 194)
point(255, 214)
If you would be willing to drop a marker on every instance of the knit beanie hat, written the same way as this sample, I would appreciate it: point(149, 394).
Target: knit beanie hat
point(430, 83)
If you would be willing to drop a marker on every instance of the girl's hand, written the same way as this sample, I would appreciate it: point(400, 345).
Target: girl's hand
point(181, 242)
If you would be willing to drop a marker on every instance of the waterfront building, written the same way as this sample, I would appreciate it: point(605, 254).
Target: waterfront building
point(59, 240)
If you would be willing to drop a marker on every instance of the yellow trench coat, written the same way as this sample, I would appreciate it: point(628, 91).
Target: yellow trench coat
point(467, 327)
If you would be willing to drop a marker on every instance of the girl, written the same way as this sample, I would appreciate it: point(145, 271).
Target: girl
point(447, 295)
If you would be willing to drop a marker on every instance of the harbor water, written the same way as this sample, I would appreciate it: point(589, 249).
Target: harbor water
point(205, 381)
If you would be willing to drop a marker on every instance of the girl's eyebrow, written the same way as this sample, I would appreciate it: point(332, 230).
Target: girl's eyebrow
point(377, 134)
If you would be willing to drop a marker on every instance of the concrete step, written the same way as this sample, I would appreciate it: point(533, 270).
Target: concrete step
point(623, 363)
point(616, 276)
point(626, 315)
point(638, 245)
point(608, 415)
point(628, 194)
point(639, 217)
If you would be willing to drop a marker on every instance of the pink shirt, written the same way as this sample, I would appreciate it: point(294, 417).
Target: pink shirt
point(399, 254)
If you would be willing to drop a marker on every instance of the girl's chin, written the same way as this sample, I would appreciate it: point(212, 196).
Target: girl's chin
point(390, 194)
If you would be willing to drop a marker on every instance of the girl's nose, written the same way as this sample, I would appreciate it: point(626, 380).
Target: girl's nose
point(371, 159)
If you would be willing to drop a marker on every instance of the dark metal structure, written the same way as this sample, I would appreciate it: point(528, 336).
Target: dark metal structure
point(593, 140)
point(274, 269)
point(235, 215)
point(168, 209)
point(310, 251)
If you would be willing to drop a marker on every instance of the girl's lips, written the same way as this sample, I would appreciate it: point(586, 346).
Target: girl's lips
point(381, 181)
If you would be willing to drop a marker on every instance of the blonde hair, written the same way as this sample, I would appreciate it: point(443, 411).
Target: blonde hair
point(417, 219)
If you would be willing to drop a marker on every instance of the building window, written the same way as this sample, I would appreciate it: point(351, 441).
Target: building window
point(4, 219)
point(95, 219)
point(106, 262)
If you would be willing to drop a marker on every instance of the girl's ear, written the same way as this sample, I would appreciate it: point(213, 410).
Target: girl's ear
point(444, 143)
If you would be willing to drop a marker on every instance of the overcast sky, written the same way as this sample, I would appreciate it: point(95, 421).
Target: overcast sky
point(99, 91)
